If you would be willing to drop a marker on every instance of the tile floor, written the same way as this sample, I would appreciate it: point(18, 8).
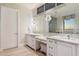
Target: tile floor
point(21, 51)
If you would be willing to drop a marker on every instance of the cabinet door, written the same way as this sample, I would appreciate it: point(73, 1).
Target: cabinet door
point(77, 50)
point(65, 49)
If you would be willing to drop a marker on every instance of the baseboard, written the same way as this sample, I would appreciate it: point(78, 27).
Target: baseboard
point(20, 45)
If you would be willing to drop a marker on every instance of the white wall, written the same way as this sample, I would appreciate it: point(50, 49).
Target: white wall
point(25, 22)
point(77, 23)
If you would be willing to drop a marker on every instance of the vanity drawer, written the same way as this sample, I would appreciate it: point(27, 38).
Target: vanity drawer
point(49, 54)
point(50, 49)
point(50, 42)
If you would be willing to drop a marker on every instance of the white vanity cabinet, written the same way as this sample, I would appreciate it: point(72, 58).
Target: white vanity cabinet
point(65, 49)
point(30, 40)
point(60, 48)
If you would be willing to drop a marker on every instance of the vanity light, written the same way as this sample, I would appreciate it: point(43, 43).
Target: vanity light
point(48, 17)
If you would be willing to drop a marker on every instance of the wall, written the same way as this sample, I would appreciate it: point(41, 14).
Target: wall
point(77, 23)
point(25, 22)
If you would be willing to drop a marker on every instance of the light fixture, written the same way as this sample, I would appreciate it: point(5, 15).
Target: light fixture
point(48, 17)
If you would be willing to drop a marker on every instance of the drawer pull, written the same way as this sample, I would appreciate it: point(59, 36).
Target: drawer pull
point(50, 41)
point(50, 54)
point(51, 47)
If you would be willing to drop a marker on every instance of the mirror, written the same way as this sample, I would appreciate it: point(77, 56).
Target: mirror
point(64, 18)
point(61, 19)
point(41, 25)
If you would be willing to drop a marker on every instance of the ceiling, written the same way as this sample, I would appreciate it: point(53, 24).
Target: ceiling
point(30, 5)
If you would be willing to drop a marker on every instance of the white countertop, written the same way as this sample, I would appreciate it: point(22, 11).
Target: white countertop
point(42, 39)
point(55, 36)
point(35, 34)
point(43, 34)
point(65, 39)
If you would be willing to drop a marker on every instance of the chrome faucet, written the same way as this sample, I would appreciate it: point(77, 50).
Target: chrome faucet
point(68, 36)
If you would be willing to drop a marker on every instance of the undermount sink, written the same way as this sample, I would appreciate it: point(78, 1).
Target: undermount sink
point(64, 37)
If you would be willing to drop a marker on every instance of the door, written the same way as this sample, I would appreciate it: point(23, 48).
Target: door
point(65, 49)
point(9, 27)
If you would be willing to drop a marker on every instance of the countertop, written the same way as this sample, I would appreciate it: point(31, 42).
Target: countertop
point(42, 39)
point(35, 34)
point(65, 39)
point(56, 36)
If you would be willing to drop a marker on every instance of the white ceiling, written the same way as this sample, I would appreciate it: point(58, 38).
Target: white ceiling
point(30, 5)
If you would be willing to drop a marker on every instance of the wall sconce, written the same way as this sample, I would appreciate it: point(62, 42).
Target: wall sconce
point(48, 17)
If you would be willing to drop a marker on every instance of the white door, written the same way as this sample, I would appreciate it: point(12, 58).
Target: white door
point(8, 28)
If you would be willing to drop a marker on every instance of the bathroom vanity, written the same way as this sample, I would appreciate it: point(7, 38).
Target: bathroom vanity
point(38, 41)
point(30, 40)
point(55, 44)
point(61, 46)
